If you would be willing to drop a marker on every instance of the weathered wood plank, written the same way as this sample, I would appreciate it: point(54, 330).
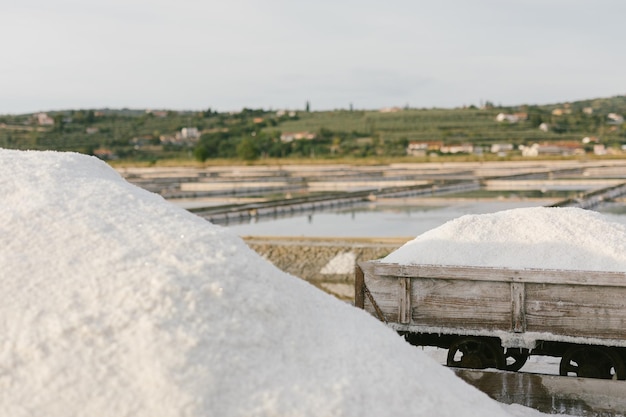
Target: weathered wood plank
point(471, 273)
point(598, 295)
point(384, 290)
point(598, 312)
point(518, 307)
point(359, 287)
point(457, 303)
point(576, 320)
point(404, 294)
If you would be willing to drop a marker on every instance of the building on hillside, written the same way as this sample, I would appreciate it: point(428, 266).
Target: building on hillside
point(590, 139)
point(615, 119)
point(291, 136)
point(189, 133)
point(511, 118)
point(281, 113)
point(157, 113)
point(544, 127)
point(44, 120)
point(530, 151)
point(500, 148)
point(390, 110)
point(571, 148)
point(554, 149)
point(561, 112)
point(186, 136)
point(422, 148)
point(462, 148)
point(104, 153)
point(599, 149)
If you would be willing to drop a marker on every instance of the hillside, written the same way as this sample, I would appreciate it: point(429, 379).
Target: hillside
point(145, 135)
point(570, 122)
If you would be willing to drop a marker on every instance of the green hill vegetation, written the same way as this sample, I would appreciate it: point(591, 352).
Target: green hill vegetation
point(257, 134)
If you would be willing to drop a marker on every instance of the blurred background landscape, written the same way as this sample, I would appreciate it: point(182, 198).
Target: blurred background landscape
point(585, 128)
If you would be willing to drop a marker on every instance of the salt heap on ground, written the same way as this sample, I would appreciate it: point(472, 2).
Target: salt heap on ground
point(540, 237)
point(117, 303)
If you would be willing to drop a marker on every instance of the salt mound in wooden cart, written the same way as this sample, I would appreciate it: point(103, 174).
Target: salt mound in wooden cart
point(495, 317)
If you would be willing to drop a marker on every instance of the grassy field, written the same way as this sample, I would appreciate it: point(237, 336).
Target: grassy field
point(447, 125)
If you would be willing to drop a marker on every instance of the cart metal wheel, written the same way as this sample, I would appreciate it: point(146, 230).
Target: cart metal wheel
point(515, 359)
point(592, 362)
point(476, 352)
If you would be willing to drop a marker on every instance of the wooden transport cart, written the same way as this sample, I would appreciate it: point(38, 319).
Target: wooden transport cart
point(497, 317)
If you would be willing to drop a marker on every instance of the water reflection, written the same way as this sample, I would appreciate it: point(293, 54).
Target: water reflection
point(371, 220)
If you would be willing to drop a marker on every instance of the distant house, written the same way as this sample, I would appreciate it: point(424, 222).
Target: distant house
point(189, 133)
point(571, 148)
point(530, 151)
point(511, 118)
point(44, 120)
point(501, 147)
point(92, 130)
point(591, 139)
point(291, 136)
point(417, 149)
point(463, 148)
point(104, 153)
point(281, 113)
point(615, 118)
point(544, 127)
point(390, 110)
point(556, 149)
point(186, 136)
point(561, 112)
point(422, 148)
point(157, 113)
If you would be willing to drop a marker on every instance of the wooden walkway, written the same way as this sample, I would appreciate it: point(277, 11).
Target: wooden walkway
point(225, 213)
point(593, 199)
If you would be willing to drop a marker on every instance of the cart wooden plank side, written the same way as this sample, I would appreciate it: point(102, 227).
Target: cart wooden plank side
point(496, 317)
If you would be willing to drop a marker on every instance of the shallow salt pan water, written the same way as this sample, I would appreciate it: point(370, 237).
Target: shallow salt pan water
point(370, 220)
point(385, 220)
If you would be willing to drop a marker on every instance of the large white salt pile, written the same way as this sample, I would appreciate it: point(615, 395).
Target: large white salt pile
point(540, 237)
point(117, 303)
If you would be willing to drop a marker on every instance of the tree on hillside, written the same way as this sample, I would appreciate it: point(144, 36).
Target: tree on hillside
point(90, 117)
point(201, 153)
point(59, 124)
point(246, 150)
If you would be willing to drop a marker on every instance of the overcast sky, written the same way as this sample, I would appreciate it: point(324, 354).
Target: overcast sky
point(275, 54)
